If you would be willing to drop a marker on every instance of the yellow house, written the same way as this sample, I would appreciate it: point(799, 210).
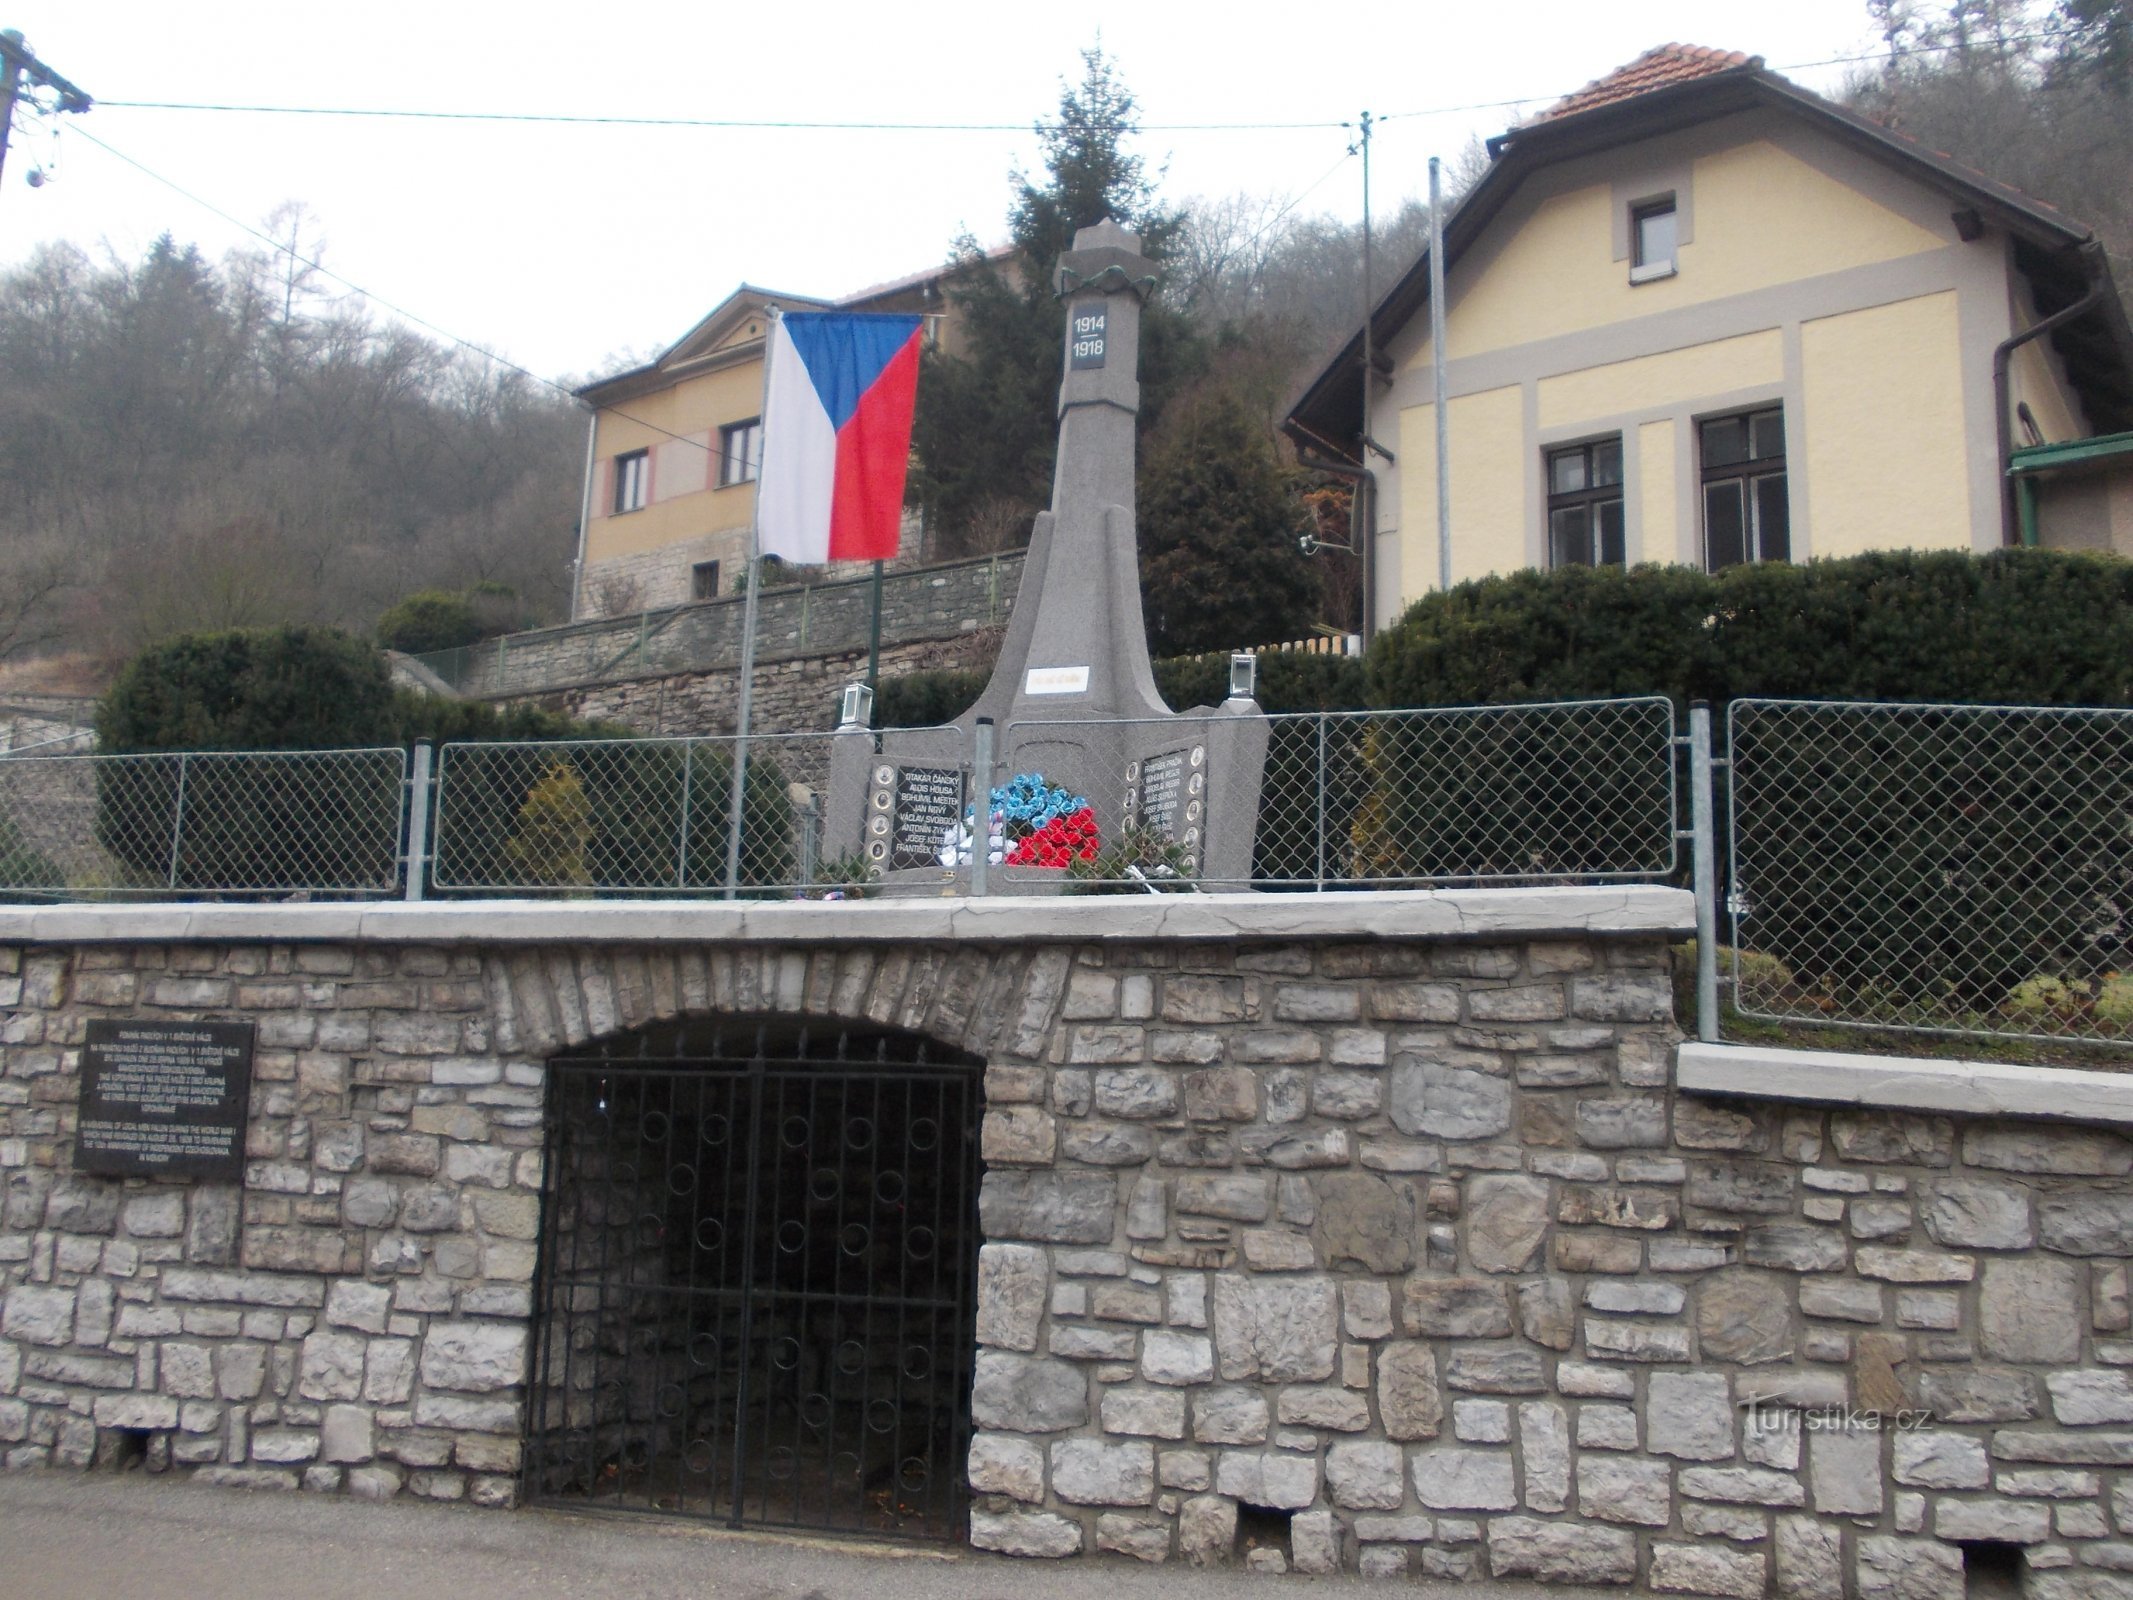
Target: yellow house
point(1696, 314)
point(673, 447)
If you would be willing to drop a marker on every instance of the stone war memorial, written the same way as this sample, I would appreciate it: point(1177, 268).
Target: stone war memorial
point(1071, 714)
point(1388, 1233)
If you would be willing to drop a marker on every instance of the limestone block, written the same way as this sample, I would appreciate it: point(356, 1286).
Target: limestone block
point(1844, 1470)
point(1143, 1538)
point(1135, 1094)
point(1809, 1559)
point(1506, 1220)
point(477, 1357)
point(2082, 1398)
point(1456, 1308)
point(1365, 1475)
point(2003, 1521)
point(1560, 1552)
point(1689, 1415)
point(1749, 1188)
point(1707, 1569)
point(1049, 1207)
point(1143, 1413)
point(1452, 1479)
point(1546, 1314)
point(1227, 1415)
point(1019, 1135)
point(1028, 1394)
point(1238, 1196)
point(1003, 1463)
point(1314, 1542)
point(1977, 1215)
point(1025, 1533)
point(1366, 1220)
point(1366, 1310)
point(1622, 1124)
point(1094, 1472)
point(1938, 1458)
point(332, 1366)
point(389, 1371)
point(38, 1316)
point(1496, 1369)
point(1283, 1330)
point(354, 1304)
point(153, 1412)
point(2087, 1224)
point(2029, 1309)
point(1544, 1443)
point(1170, 1357)
point(1744, 1317)
point(1742, 1486)
point(1447, 1102)
point(346, 1435)
point(1012, 1283)
point(1107, 1144)
point(1329, 1408)
point(1207, 1530)
point(1795, 1247)
point(1410, 1403)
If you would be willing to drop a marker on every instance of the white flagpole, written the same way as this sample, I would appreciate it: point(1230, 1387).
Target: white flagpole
point(751, 572)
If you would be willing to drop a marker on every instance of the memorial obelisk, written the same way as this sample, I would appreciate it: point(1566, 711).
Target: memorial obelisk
point(1072, 699)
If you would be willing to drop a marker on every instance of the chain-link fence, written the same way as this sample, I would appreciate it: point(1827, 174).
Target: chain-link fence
point(619, 817)
point(248, 823)
point(1526, 794)
point(1953, 869)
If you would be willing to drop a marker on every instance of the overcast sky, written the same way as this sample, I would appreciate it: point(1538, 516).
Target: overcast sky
point(564, 246)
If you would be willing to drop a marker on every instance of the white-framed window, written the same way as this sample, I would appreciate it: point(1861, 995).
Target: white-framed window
point(1585, 526)
point(740, 452)
point(633, 480)
point(1654, 239)
point(1747, 515)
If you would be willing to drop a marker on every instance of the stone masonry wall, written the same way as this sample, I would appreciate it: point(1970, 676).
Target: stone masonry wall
point(1403, 1258)
point(1415, 1250)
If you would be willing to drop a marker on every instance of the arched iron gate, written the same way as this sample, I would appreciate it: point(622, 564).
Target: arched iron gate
point(757, 1278)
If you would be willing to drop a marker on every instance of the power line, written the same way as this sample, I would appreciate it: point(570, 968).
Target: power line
point(736, 123)
point(791, 124)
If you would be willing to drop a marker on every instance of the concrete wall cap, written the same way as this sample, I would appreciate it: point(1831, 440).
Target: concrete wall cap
point(1842, 1077)
point(1393, 914)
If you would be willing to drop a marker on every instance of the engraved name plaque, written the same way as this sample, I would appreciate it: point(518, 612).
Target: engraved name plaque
point(165, 1099)
point(929, 804)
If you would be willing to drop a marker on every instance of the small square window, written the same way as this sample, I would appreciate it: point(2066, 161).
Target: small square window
point(740, 452)
point(703, 581)
point(633, 480)
point(1654, 237)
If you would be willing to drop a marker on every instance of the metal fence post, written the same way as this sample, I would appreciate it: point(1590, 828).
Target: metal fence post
point(1705, 848)
point(981, 806)
point(418, 821)
point(177, 822)
point(1318, 848)
point(688, 783)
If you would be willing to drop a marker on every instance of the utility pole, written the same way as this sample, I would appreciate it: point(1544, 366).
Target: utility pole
point(1366, 488)
point(19, 65)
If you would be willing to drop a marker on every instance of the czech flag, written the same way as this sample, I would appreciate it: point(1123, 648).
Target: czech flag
point(836, 436)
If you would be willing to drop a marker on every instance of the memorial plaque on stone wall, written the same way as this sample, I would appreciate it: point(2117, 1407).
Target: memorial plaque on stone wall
point(929, 803)
point(165, 1099)
point(1159, 798)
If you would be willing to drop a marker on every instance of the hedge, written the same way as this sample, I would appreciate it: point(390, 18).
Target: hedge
point(2040, 627)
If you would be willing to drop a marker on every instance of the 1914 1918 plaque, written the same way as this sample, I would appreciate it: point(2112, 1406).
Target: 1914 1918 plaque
point(165, 1099)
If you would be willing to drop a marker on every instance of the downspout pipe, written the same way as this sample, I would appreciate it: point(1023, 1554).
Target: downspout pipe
point(2002, 359)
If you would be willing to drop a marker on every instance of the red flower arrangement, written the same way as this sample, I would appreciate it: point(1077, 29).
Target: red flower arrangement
point(1059, 843)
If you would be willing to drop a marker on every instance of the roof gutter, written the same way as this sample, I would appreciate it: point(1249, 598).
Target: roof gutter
point(2011, 532)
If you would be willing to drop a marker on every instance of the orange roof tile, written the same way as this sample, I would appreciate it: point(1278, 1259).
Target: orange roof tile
point(1657, 68)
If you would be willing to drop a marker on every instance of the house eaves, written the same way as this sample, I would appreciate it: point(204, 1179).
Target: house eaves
point(2058, 255)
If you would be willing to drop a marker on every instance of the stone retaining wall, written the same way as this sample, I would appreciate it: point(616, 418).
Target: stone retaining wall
point(1303, 1253)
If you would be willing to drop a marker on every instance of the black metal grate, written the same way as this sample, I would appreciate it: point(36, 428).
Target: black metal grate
point(759, 1257)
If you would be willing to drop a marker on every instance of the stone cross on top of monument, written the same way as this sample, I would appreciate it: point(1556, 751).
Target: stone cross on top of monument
point(1071, 713)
